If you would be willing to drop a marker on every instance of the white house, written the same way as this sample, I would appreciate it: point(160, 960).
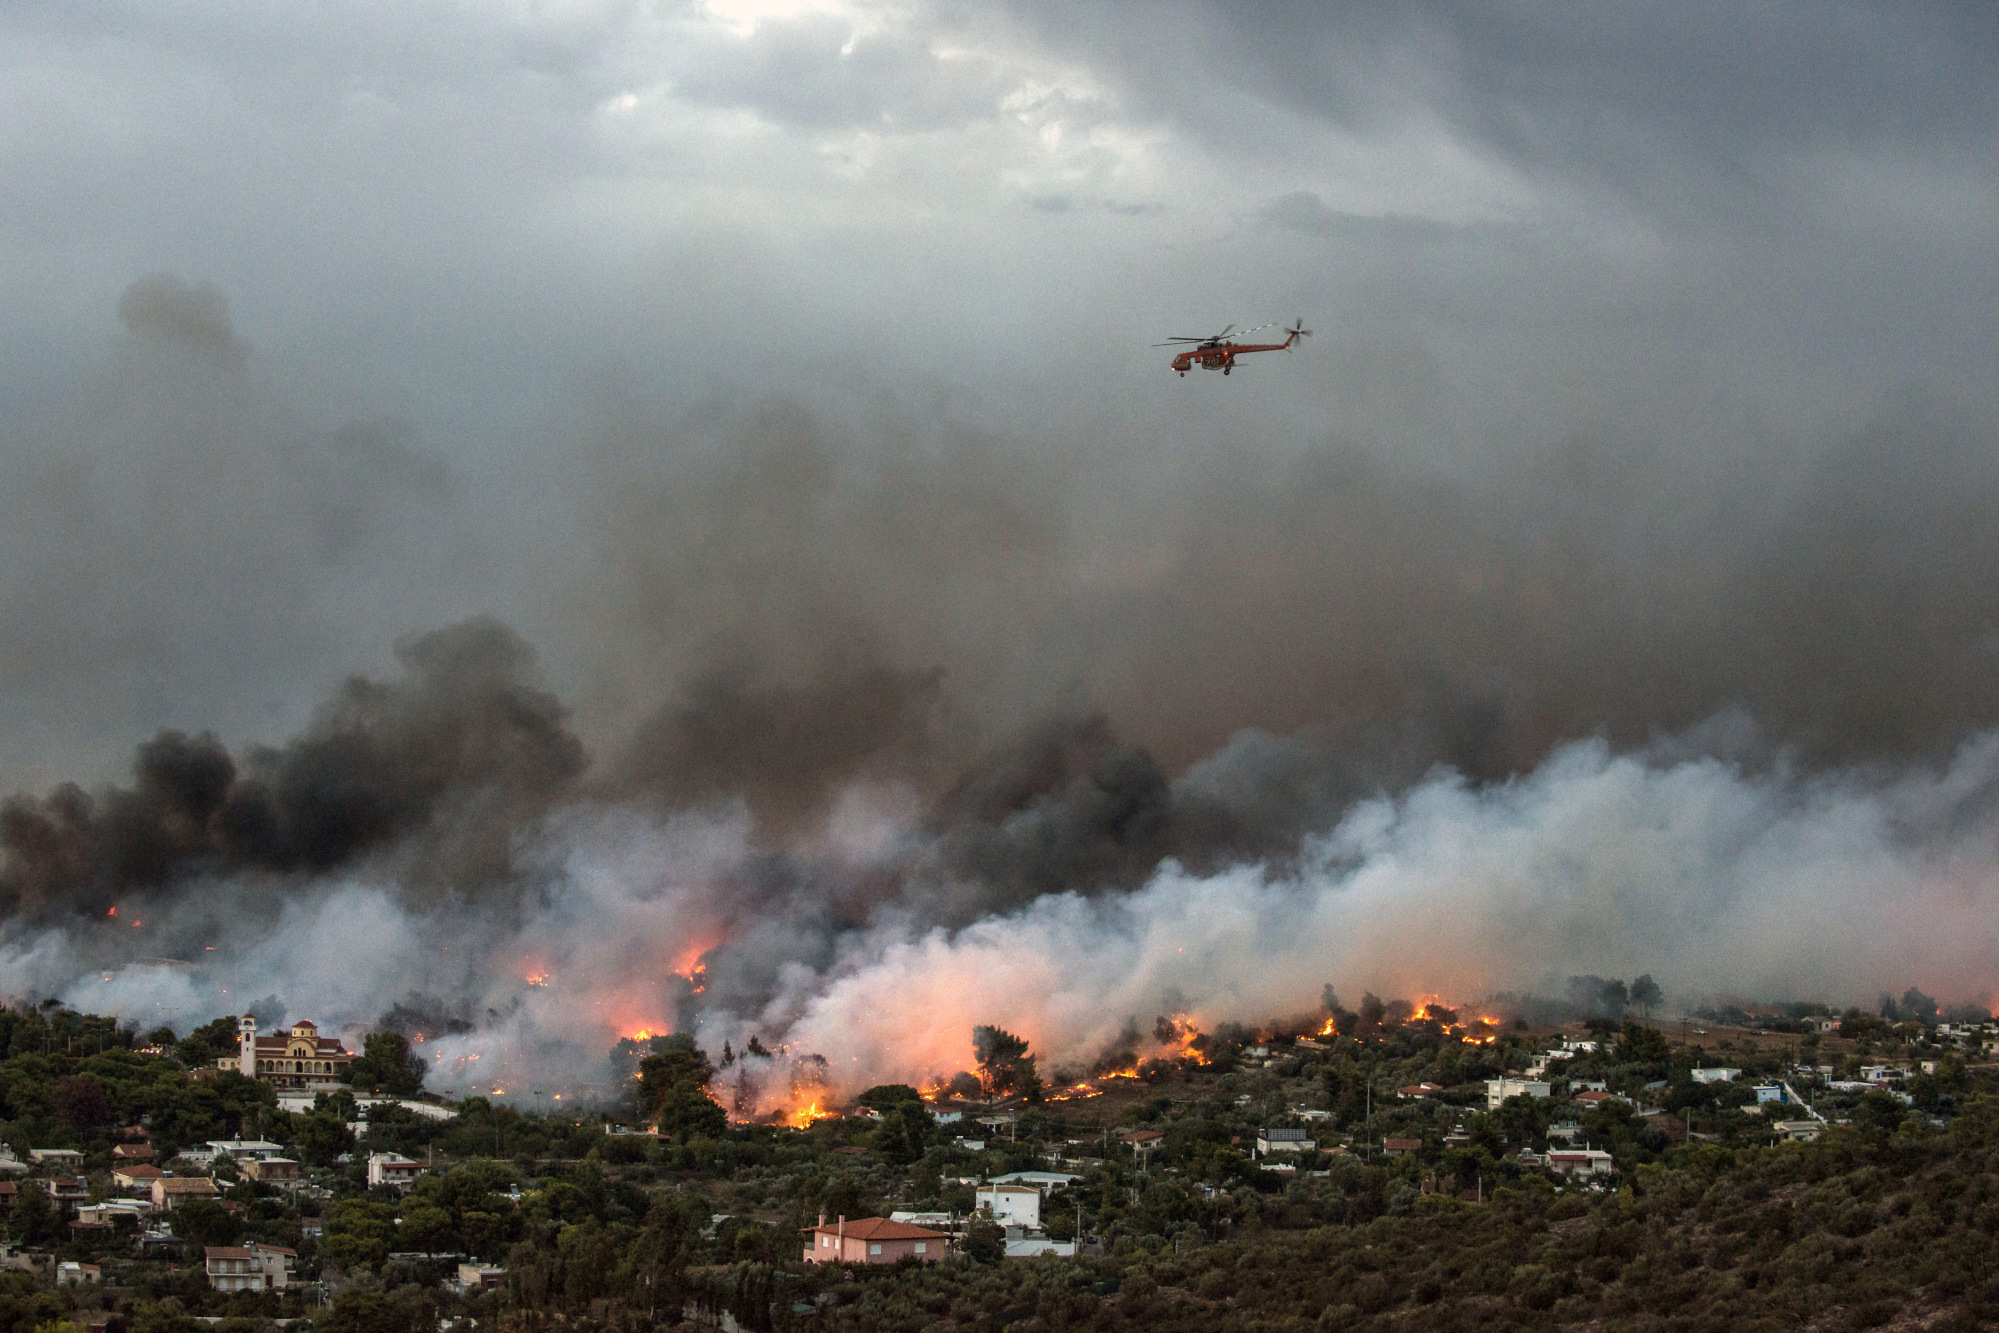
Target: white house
point(1269, 1141)
point(392, 1169)
point(243, 1149)
point(1041, 1180)
point(1497, 1090)
point(1011, 1205)
point(1580, 1162)
point(1716, 1075)
point(111, 1210)
point(252, 1267)
point(298, 1103)
point(945, 1222)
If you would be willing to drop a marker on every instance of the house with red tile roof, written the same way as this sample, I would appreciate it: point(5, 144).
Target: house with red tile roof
point(872, 1240)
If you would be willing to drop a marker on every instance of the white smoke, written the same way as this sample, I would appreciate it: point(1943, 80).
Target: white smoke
point(1712, 877)
point(1709, 878)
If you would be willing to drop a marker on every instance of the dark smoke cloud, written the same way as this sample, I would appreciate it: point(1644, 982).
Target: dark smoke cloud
point(167, 307)
point(787, 750)
point(443, 764)
point(1839, 590)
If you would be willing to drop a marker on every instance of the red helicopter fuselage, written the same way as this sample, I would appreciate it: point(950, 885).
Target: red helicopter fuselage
point(1221, 355)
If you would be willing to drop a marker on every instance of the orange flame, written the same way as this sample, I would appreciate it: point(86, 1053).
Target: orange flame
point(805, 1115)
point(1185, 1035)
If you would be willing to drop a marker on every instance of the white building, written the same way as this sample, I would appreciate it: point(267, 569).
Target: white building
point(251, 1267)
point(1269, 1141)
point(1031, 1248)
point(1498, 1090)
point(243, 1149)
point(112, 1210)
point(392, 1169)
point(1581, 1162)
point(298, 1103)
point(1045, 1181)
point(945, 1222)
point(1011, 1205)
point(1716, 1075)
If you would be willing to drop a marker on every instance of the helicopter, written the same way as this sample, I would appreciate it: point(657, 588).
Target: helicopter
point(1217, 352)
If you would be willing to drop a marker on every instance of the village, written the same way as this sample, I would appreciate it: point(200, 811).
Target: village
point(330, 1195)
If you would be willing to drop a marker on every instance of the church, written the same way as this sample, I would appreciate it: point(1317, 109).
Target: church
point(300, 1058)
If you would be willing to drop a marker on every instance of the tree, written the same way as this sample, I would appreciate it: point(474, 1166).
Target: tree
point(673, 1090)
point(905, 1132)
point(689, 1112)
point(1918, 1007)
point(985, 1240)
point(358, 1232)
point(207, 1043)
point(885, 1095)
point(36, 1221)
point(320, 1136)
point(387, 1062)
point(1645, 994)
point(1005, 1067)
point(1642, 1044)
point(80, 1103)
point(427, 1227)
point(1594, 997)
point(409, 1309)
point(204, 1222)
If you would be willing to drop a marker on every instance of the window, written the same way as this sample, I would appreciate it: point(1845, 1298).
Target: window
point(874, 1249)
point(922, 1247)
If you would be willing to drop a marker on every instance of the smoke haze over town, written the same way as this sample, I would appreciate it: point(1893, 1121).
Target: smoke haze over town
point(544, 524)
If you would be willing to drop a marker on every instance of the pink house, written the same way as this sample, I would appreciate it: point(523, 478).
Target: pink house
point(872, 1240)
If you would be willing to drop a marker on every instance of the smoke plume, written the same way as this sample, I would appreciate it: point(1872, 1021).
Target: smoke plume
point(852, 735)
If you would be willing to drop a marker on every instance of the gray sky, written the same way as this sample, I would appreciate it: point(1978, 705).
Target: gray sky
point(699, 334)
